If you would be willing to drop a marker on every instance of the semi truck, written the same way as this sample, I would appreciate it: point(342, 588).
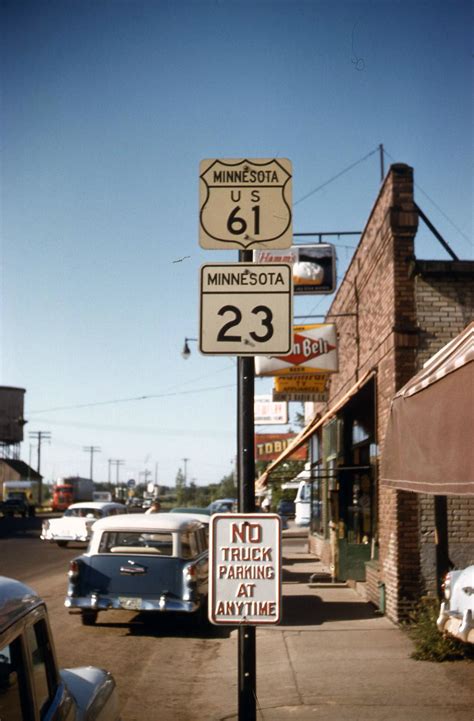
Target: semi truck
point(71, 489)
point(19, 498)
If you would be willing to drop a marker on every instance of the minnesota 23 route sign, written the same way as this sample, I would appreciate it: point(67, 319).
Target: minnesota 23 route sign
point(245, 203)
point(246, 309)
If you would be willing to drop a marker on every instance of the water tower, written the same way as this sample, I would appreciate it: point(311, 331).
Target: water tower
point(11, 420)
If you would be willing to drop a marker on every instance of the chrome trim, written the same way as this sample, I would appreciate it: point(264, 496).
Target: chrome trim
point(105, 603)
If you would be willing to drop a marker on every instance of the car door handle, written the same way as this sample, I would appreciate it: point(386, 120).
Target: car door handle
point(132, 571)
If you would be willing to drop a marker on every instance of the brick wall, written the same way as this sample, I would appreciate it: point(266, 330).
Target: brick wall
point(378, 287)
point(444, 293)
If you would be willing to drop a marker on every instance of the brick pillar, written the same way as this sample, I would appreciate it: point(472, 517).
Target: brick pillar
point(398, 510)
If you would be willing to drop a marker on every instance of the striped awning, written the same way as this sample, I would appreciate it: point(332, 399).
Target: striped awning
point(429, 441)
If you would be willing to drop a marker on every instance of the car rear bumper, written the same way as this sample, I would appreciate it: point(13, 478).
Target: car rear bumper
point(54, 538)
point(459, 625)
point(124, 603)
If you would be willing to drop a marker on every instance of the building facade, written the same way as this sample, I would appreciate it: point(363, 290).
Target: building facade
point(392, 313)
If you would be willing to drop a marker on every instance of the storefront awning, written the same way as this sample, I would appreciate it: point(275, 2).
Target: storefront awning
point(428, 445)
point(308, 431)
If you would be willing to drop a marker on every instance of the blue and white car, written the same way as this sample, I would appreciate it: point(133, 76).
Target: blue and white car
point(456, 616)
point(31, 684)
point(142, 562)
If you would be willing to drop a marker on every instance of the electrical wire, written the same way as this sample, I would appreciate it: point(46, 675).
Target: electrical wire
point(335, 177)
point(133, 398)
point(464, 236)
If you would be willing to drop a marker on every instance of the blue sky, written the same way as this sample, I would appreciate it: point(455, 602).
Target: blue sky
point(107, 109)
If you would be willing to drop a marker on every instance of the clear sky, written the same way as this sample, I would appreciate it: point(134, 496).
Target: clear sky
point(107, 108)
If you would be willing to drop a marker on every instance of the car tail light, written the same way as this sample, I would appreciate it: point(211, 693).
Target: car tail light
point(73, 572)
point(190, 574)
point(446, 586)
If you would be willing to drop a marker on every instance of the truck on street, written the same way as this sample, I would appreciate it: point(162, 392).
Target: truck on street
point(72, 489)
point(19, 497)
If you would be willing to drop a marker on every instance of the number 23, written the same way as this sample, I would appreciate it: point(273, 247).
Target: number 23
point(266, 322)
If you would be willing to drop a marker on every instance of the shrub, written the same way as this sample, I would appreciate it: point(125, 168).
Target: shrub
point(430, 644)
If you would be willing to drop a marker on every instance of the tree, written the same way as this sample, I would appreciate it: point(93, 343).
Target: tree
point(180, 488)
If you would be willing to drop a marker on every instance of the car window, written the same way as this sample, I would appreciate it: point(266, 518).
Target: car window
point(11, 694)
point(160, 543)
point(42, 664)
point(189, 545)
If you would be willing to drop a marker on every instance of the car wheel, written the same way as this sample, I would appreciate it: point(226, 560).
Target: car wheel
point(201, 618)
point(89, 617)
point(62, 544)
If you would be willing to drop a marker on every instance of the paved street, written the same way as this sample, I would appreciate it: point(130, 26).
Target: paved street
point(332, 658)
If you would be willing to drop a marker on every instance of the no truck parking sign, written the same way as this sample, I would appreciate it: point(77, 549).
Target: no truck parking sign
point(245, 569)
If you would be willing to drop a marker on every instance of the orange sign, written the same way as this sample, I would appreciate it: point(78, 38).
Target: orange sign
point(268, 446)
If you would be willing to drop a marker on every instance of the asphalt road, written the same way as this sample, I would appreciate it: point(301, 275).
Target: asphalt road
point(158, 663)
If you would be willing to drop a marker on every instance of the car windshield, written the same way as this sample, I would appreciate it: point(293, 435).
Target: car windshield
point(83, 512)
point(160, 542)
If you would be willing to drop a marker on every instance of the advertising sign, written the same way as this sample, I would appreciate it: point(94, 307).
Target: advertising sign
point(267, 413)
point(301, 397)
point(245, 203)
point(268, 446)
point(246, 309)
point(245, 568)
point(308, 383)
point(314, 350)
point(314, 266)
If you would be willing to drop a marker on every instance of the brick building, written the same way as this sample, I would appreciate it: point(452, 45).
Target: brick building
point(392, 312)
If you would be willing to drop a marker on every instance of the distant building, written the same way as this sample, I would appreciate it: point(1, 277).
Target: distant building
point(15, 470)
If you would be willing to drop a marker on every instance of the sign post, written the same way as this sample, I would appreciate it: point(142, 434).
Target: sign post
point(244, 204)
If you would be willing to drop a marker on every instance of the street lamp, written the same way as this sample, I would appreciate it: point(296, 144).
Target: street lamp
point(186, 352)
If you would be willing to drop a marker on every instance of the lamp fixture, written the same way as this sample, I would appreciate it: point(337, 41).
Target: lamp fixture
point(186, 352)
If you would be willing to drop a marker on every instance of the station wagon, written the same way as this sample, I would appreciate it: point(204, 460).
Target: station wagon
point(142, 562)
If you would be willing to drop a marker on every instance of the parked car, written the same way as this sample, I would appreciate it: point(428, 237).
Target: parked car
point(456, 616)
point(286, 508)
point(14, 506)
point(223, 505)
point(31, 684)
point(142, 562)
point(76, 523)
point(192, 509)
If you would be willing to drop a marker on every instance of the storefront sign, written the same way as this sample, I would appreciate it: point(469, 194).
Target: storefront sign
point(309, 383)
point(314, 350)
point(314, 266)
point(301, 397)
point(267, 413)
point(245, 569)
point(268, 446)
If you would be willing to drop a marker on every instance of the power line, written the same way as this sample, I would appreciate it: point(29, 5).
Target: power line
point(437, 206)
point(335, 177)
point(133, 398)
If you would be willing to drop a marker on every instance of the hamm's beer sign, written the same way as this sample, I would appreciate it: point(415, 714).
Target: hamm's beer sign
point(245, 203)
point(314, 349)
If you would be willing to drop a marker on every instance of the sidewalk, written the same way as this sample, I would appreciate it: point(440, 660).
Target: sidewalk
point(334, 659)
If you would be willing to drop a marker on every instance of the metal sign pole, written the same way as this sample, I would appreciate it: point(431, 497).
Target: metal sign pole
point(246, 485)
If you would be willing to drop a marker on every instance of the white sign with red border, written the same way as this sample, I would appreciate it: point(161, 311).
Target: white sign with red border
point(245, 568)
point(314, 351)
